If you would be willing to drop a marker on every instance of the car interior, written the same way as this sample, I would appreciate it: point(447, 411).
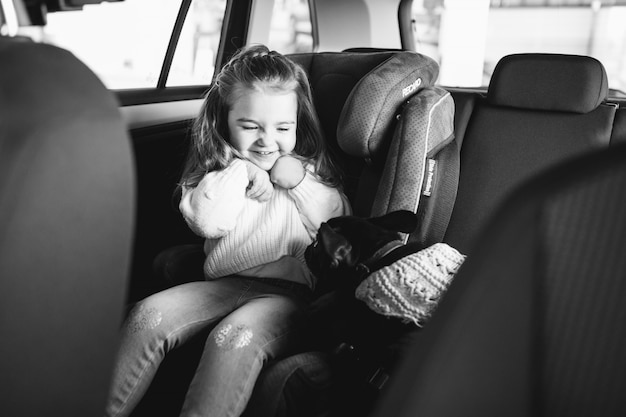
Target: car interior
point(525, 175)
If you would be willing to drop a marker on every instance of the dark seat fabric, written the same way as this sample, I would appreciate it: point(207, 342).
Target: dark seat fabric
point(67, 198)
point(358, 129)
point(534, 321)
point(550, 82)
point(619, 126)
point(540, 109)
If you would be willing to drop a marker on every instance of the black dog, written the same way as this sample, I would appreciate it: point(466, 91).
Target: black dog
point(346, 251)
point(348, 248)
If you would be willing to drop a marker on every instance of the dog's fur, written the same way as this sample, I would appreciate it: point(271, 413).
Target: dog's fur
point(347, 248)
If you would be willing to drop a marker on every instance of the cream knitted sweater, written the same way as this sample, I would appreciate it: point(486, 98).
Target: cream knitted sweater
point(264, 239)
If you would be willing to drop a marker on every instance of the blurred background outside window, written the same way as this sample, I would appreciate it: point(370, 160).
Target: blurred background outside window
point(468, 37)
point(125, 42)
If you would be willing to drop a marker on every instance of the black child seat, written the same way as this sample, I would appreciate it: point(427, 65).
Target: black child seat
point(533, 324)
point(388, 138)
point(67, 198)
point(360, 99)
point(391, 131)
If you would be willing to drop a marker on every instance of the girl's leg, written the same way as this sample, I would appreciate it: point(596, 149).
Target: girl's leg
point(160, 323)
point(235, 352)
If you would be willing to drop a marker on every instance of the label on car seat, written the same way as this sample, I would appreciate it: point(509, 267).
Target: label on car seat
point(431, 168)
point(411, 88)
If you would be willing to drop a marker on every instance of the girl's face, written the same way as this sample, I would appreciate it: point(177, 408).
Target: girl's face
point(262, 124)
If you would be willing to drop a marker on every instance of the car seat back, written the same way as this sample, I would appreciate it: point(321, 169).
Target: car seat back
point(534, 321)
point(67, 202)
point(539, 109)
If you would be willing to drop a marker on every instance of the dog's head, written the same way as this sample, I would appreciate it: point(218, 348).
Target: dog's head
point(344, 242)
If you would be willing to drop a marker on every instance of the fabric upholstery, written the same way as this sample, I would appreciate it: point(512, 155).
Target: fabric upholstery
point(504, 146)
point(365, 91)
point(67, 202)
point(533, 322)
point(618, 135)
point(553, 82)
point(421, 166)
point(367, 117)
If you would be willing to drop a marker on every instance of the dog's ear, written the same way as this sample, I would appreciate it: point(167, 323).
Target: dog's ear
point(404, 221)
point(336, 246)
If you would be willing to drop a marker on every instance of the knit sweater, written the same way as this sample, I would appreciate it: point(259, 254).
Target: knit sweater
point(265, 239)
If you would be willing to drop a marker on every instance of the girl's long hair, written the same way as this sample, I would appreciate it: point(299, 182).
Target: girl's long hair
point(254, 67)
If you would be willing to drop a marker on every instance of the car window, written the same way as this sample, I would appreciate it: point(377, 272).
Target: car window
point(291, 27)
point(125, 43)
point(194, 59)
point(468, 37)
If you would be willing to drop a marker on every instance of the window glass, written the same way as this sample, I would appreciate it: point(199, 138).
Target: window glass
point(125, 42)
point(468, 37)
point(194, 59)
point(290, 27)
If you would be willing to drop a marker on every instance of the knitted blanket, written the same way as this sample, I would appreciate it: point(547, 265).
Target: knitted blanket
point(411, 287)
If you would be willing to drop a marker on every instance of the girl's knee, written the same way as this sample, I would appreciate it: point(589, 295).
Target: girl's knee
point(240, 336)
point(145, 315)
point(233, 336)
point(157, 310)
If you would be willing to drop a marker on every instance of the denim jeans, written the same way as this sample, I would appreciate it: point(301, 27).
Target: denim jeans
point(252, 321)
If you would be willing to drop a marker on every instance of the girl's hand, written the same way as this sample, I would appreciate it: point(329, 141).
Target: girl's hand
point(287, 172)
point(259, 188)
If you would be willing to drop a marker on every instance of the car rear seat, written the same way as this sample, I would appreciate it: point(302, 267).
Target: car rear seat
point(535, 114)
point(534, 322)
point(540, 109)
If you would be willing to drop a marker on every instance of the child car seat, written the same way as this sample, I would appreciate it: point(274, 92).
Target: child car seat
point(393, 131)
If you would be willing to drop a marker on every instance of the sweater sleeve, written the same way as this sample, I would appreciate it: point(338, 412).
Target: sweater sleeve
point(212, 207)
point(318, 202)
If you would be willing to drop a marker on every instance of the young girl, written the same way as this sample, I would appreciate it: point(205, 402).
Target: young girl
point(257, 184)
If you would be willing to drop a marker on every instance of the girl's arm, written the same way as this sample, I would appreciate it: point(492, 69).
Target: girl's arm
point(318, 202)
point(212, 207)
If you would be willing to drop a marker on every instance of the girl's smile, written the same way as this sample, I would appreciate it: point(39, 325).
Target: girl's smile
point(262, 124)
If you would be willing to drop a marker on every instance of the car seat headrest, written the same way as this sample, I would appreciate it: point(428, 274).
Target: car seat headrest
point(370, 110)
point(554, 82)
